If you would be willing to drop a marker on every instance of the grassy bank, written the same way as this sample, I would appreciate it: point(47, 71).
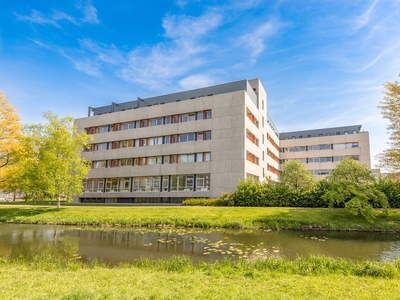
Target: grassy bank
point(179, 278)
point(202, 217)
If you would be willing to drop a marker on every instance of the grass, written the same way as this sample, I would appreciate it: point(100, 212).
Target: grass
point(52, 276)
point(179, 278)
point(201, 217)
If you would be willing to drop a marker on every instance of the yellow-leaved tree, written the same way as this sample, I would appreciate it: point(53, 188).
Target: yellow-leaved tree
point(10, 130)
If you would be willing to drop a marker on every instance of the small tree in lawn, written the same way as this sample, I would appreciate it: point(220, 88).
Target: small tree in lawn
point(351, 185)
point(50, 160)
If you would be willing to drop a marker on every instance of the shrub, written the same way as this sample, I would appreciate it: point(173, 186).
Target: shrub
point(207, 202)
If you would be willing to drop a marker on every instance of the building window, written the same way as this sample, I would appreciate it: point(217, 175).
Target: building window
point(99, 164)
point(202, 182)
point(126, 162)
point(127, 144)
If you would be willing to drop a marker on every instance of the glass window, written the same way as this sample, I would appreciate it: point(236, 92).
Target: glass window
point(165, 182)
point(207, 156)
point(190, 137)
point(102, 129)
point(167, 139)
point(166, 159)
point(102, 146)
point(126, 162)
point(167, 120)
point(143, 142)
point(207, 135)
point(126, 144)
point(192, 117)
point(184, 118)
point(199, 157)
point(136, 143)
point(200, 136)
point(183, 138)
point(99, 164)
point(144, 123)
point(202, 182)
point(175, 119)
point(200, 115)
point(207, 114)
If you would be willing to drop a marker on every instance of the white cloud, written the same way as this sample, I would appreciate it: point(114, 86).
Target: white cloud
point(104, 53)
point(156, 65)
point(38, 18)
point(59, 16)
point(255, 40)
point(90, 14)
point(196, 81)
point(364, 19)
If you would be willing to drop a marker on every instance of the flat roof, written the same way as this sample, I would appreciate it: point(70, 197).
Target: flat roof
point(174, 97)
point(319, 132)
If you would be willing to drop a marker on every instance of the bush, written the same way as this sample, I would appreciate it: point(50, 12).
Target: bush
point(391, 189)
point(207, 202)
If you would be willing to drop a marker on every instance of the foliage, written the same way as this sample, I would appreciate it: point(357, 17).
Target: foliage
point(49, 161)
point(206, 202)
point(351, 170)
point(391, 188)
point(250, 193)
point(352, 186)
point(390, 109)
point(10, 129)
point(296, 176)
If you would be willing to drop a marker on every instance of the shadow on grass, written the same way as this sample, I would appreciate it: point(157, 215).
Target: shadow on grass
point(11, 213)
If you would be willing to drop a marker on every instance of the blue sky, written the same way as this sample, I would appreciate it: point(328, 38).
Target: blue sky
point(322, 63)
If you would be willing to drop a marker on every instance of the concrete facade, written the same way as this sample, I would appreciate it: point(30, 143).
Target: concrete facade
point(322, 149)
point(164, 149)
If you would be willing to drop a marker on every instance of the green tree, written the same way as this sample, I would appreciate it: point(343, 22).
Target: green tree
point(352, 186)
point(296, 176)
point(352, 170)
point(390, 109)
point(50, 163)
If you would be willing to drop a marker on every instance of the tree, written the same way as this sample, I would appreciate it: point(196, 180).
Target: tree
point(390, 109)
point(10, 129)
point(352, 186)
point(352, 170)
point(50, 163)
point(296, 176)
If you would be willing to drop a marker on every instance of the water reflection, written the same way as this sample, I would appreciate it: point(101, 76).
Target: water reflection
point(112, 245)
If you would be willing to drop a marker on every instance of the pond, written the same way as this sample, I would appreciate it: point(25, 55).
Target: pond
point(126, 245)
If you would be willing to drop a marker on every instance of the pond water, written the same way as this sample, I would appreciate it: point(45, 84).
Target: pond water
point(126, 245)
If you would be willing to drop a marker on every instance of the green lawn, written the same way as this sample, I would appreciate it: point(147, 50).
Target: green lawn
point(227, 217)
point(180, 279)
point(49, 277)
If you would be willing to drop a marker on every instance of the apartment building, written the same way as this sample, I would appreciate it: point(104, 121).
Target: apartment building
point(164, 149)
point(322, 149)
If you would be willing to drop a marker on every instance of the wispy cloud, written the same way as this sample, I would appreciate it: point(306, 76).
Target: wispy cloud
point(255, 40)
point(104, 53)
point(90, 14)
point(88, 10)
point(364, 19)
point(38, 18)
point(155, 65)
point(196, 81)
